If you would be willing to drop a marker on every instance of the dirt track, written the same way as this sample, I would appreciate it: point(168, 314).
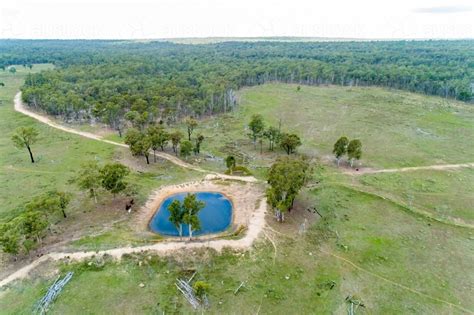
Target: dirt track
point(438, 167)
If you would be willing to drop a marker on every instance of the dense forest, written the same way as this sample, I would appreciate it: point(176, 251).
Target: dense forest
point(145, 81)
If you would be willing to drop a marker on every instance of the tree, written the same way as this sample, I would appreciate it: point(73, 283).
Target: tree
point(158, 138)
point(191, 207)
point(199, 139)
point(89, 178)
point(113, 114)
point(176, 211)
point(191, 124)
point(10, 238)
point(230, 163)
point(256, 126)
point(340, 148)
point(176, 140)
point(289, 142)
point(354, 150)
point(113, 177)
point(185, 148)
point(25, 137)
point(2, 84)
point(272, 134)
point(286, 177)
point(12, 70)
point(34, 224)
point(50, 203)
point(139, 143)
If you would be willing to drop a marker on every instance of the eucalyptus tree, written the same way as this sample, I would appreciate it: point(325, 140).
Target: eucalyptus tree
point(340, 148)
point(191, 124)
point(192, 206)
point(286, 177)
point(25, 137)
point(177, 211)
point(289, 142)
point(354, 150)
point(256, 126)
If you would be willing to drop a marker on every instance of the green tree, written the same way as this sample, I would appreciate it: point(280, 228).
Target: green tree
point(89, 178)
point(158, 138)
point(198, 141)
point(12, 70)
point(139, 143)
point(25, 137)
point(256, 126)
point(176, 140)
point(340, 148)
point(176, 211)
point(286, 177)
point(113, 177)
point(191, 207)
point(289, 142)
point(230, 163)
point(50, 203)
point(10, 238)
point(272, 134)
point(33, 225)
point(354, 150)
point(185, 148)
point(191, 124)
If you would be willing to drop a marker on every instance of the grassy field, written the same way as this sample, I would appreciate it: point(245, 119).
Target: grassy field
point(59, 156)
point(391, 261)
point(447, 194)
point(367, 245)
point(397, 129)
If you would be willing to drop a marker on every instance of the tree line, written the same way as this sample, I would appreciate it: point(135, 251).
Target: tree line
point(105, 80)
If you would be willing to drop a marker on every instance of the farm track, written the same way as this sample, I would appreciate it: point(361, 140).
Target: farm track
point(436, 167)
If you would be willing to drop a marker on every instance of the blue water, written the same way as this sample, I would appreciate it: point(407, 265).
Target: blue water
point(215, 217)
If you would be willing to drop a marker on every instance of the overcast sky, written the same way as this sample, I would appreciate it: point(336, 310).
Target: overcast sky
point(145, 19)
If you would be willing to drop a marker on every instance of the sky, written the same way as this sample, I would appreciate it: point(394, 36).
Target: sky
point(153, 19)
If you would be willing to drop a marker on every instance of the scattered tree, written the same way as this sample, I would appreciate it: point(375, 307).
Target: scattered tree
point(272, 134)
point(256, 126)
point(113, 177)
point(89, 178)
point(185, 148)
point(354, 150)
point(176, 140)
point(286, 177)
point(289, 142)
point(191, 124)
point(12, 69)
point(25, 137)
point(197, 146)
point(176, 211)
point(191, 207)
point(340, 148)
point(158, 138)
point(139, 143)
point(230, 163)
